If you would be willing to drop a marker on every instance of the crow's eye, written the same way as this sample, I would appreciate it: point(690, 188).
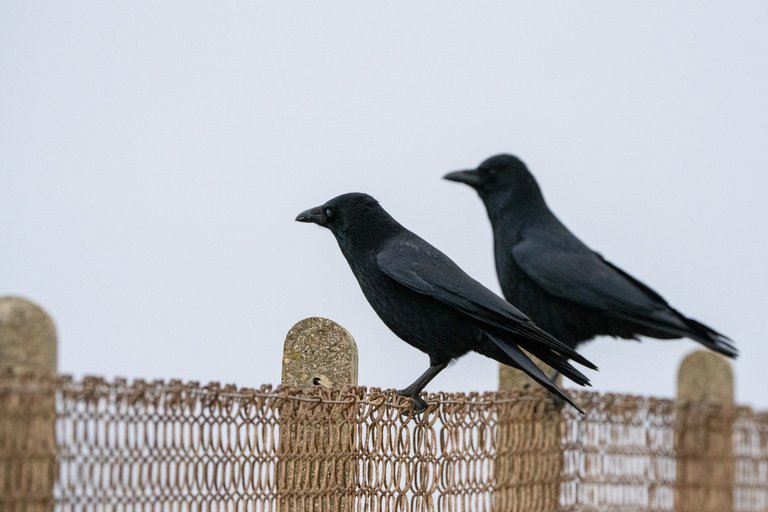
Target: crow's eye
point(328, 212)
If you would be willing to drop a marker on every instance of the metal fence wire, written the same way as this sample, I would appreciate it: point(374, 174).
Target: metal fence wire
point(93, 445)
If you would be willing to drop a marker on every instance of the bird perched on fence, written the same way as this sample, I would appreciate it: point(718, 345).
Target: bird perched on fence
point(568, 289)
point(430, 303)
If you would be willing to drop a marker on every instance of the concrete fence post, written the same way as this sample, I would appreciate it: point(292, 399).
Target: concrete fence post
point(27, 338)
point(318, 351)
point(528, 480)
point(317, 459)
point(704, 441)
point(27, 419)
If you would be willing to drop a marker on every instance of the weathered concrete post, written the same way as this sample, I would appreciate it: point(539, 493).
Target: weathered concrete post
point(27, 420)
point(319, 351)
point(27, 338)
point(704, 443)
point(317, 452)
point(528, 481)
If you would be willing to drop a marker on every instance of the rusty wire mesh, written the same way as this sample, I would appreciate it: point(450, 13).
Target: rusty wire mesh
point(93, 445)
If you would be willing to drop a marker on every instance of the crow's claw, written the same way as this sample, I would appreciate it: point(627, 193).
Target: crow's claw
point(419, 404)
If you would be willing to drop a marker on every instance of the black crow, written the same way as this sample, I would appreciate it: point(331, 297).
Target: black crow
point(568, 289)
point(429, 302)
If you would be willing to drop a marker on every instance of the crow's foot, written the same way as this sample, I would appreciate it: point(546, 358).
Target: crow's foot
point(419, 404)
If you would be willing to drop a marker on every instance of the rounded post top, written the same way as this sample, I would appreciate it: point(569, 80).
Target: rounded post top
point(318, 351)
point(27, 337)
point(705, 376)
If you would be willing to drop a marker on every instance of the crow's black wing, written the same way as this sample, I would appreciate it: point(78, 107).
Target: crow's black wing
point(582, 276)
point(414, 263)
point(695, 329)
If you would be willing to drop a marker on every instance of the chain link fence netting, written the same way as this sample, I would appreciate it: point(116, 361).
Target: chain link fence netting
point(92, 445)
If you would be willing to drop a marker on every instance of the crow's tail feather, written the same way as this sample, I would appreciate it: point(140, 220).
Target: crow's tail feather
point(710, 338)
point(557, 356)
point(559, 363)
point(518, 359)
point(534, 339)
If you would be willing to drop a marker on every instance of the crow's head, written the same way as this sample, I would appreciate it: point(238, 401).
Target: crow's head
point(354, 213)
point(500, 174)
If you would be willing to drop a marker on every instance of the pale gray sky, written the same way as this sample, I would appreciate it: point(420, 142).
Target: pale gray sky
point(153, 156)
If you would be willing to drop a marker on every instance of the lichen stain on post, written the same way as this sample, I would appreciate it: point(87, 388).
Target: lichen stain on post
point(319, 351)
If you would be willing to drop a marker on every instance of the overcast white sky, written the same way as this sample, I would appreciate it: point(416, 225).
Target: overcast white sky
point(153, 156)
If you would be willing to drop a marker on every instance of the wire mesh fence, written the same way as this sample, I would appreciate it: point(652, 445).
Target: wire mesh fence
point(93, 445)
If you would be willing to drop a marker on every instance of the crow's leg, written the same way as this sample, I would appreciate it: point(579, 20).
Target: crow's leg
point(557, 400)
point(413, 391)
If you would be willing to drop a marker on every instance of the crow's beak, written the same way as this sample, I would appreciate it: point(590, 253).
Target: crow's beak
point(471, 177)
point(313, 215)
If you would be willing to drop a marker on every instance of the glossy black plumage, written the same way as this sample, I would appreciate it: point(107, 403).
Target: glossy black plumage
point(429, 302)
point(569, 290)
